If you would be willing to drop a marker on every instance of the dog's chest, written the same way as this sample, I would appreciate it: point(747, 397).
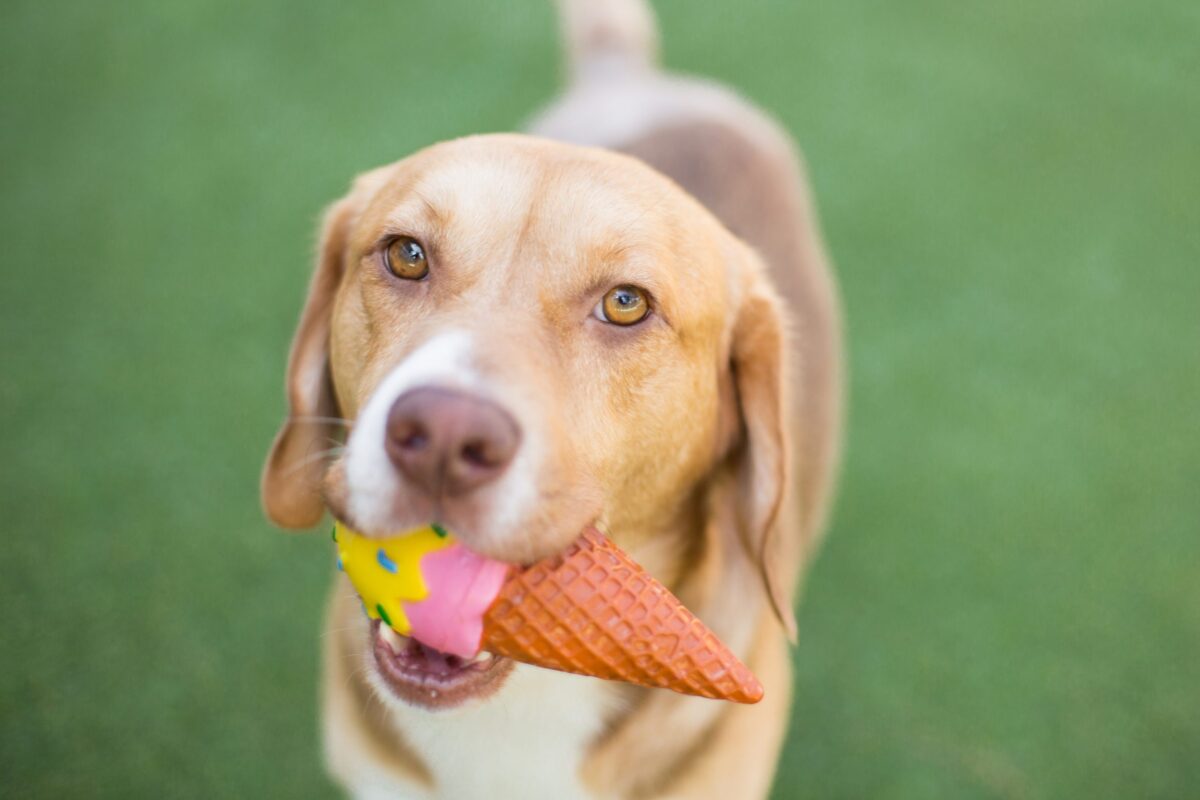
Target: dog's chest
point(528, 741)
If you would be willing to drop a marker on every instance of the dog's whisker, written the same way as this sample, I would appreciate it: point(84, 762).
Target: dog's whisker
point(319, 420)
point(330, 632)
point(304, 462)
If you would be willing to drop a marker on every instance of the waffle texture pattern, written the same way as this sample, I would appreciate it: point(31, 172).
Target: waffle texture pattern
point(594, 611)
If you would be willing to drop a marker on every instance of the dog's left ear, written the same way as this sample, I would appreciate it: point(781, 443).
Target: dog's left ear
point(292, 475)
point(762, 456)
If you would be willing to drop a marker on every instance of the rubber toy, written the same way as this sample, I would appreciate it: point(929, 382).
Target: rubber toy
point(590, 610)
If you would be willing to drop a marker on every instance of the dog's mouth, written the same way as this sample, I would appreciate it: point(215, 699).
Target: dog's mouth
point(429, 678)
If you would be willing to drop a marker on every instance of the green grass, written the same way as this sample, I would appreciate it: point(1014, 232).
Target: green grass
point(1009, 602)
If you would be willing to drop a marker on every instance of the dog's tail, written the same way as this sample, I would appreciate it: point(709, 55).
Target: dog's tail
point(607, 37)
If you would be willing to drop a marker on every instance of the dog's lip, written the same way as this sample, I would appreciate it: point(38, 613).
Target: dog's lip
point(428, 678)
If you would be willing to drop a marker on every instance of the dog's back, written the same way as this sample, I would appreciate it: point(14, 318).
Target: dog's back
point(739, 164)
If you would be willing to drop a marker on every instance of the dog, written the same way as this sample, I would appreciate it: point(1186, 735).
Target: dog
point(624, 318)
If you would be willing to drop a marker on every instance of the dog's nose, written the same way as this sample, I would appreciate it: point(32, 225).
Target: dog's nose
point(448, 442)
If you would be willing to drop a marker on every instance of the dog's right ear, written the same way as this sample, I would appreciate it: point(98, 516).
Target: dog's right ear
point(291, 479)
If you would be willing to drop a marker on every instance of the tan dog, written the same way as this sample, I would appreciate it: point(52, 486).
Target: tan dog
point(528, 337)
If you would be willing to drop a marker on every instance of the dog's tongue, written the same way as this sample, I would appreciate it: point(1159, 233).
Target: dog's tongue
point(462, 585)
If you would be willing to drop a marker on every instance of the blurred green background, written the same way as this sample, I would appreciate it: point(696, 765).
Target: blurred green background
point(1009, 601)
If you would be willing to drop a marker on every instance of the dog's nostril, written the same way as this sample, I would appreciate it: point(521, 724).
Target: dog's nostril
point(476, 454)
point(408, 434)
point(416, 440)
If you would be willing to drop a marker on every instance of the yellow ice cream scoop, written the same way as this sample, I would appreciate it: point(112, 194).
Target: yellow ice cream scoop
point(386, 572)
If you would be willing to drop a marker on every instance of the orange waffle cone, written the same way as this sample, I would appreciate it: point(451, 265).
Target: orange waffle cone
point(594, 611)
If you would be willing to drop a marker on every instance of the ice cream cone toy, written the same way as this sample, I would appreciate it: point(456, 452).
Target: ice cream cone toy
point(590, 610)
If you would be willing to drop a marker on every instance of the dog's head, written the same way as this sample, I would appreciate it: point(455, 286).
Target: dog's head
point(528, 338)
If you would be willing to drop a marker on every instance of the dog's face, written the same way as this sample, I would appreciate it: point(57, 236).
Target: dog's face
point(529, 338)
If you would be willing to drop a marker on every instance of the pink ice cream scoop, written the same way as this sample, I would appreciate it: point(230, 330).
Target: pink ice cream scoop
point(462, 585)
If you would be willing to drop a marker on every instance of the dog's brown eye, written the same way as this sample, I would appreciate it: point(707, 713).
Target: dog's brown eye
point(624, 305)
point(406, 259)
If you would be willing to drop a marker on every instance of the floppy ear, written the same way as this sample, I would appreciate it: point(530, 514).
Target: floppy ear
point(762, 456)
point(291, 479)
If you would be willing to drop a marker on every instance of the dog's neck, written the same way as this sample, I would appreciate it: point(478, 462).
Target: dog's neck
point(529, 740)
